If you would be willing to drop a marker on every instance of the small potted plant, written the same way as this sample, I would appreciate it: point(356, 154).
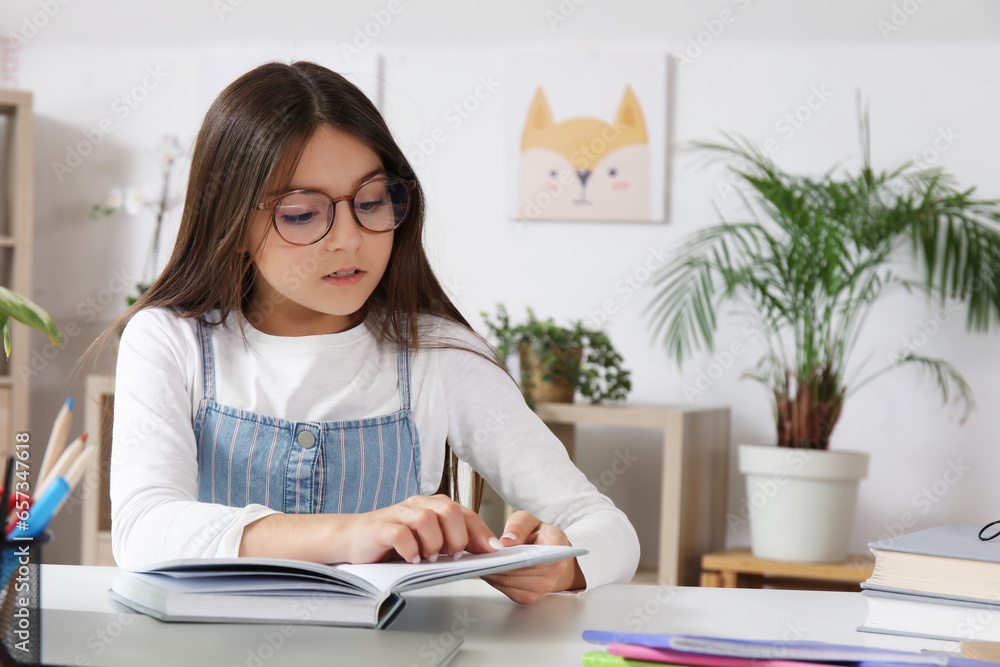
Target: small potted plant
point(816, 256)
point(556, 361)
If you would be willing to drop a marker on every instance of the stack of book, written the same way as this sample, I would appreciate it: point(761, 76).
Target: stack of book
point(939, 583)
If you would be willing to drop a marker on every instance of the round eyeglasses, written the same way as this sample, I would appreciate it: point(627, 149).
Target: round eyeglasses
point(304, 217)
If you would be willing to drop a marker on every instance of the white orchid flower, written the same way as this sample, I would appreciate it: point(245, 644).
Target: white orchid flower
point(135, 199)
point(115, 199)
point(170, 148)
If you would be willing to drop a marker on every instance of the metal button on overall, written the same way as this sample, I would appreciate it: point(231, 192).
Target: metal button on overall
point(306, 439)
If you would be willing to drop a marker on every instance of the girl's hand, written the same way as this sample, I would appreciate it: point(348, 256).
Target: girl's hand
point(528, 584)
point(419, 527)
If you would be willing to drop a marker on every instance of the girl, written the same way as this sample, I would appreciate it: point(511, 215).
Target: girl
point(297, 383)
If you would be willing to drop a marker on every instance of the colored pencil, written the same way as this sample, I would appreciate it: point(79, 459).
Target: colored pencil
point(62, 465)
point(57, 439)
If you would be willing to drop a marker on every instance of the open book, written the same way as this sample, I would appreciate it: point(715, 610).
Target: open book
point(274, 590)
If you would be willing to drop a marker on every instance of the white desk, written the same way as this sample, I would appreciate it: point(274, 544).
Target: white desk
point(495, 630)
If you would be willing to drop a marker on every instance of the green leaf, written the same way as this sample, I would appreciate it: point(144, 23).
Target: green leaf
point(6, 335)
point(19, 308)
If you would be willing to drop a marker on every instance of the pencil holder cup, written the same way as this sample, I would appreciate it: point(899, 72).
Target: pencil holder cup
point(21, 600)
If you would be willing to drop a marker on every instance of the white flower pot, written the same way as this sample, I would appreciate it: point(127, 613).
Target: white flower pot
point(801, 502)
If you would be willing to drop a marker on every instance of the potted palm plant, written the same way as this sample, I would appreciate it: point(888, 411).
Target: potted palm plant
point(558, 361)
point(816, 256)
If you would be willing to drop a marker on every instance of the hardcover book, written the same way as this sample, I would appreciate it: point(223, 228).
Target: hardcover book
point(271, 590)
point(945, 560)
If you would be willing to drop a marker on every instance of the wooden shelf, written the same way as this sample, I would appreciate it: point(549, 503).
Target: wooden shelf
point(646, 575)
point(16, 236)
point(694, 479)
point(737, 568)
point(95, 531)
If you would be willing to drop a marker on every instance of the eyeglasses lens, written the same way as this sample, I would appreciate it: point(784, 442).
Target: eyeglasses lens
point(305, 217)
point(381, 205)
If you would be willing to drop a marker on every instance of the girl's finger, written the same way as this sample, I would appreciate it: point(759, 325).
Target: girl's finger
point(400, 538)
point(424, 523)
point(453, 523)
point(549, 534)
point(481, 538)
point(519, 526)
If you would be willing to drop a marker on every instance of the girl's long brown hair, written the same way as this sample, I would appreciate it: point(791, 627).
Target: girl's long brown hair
point(248, 145)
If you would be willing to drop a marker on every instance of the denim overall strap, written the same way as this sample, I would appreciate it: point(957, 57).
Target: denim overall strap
point(303, 467)
point(207, 365)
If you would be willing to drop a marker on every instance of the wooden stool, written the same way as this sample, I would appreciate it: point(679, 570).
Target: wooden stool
point(737, 568)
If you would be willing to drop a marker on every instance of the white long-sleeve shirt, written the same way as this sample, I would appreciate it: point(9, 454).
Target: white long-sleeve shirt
point(456, 395)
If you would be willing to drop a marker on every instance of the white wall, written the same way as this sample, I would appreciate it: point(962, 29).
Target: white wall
point(936, 73)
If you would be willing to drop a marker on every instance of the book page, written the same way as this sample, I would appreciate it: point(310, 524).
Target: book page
point(401, 576)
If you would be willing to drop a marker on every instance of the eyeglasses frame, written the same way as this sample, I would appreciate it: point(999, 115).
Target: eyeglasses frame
point(273, 203)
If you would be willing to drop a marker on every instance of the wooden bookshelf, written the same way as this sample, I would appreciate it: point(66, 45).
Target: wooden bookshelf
point(16, 237)
point(95, 530)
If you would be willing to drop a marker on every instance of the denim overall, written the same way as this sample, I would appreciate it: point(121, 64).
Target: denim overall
point(304, 467)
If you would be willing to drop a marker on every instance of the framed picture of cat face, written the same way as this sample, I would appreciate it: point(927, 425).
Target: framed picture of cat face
point(588, 136)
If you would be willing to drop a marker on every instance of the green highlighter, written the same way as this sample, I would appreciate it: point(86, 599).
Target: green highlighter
point(603, 659)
